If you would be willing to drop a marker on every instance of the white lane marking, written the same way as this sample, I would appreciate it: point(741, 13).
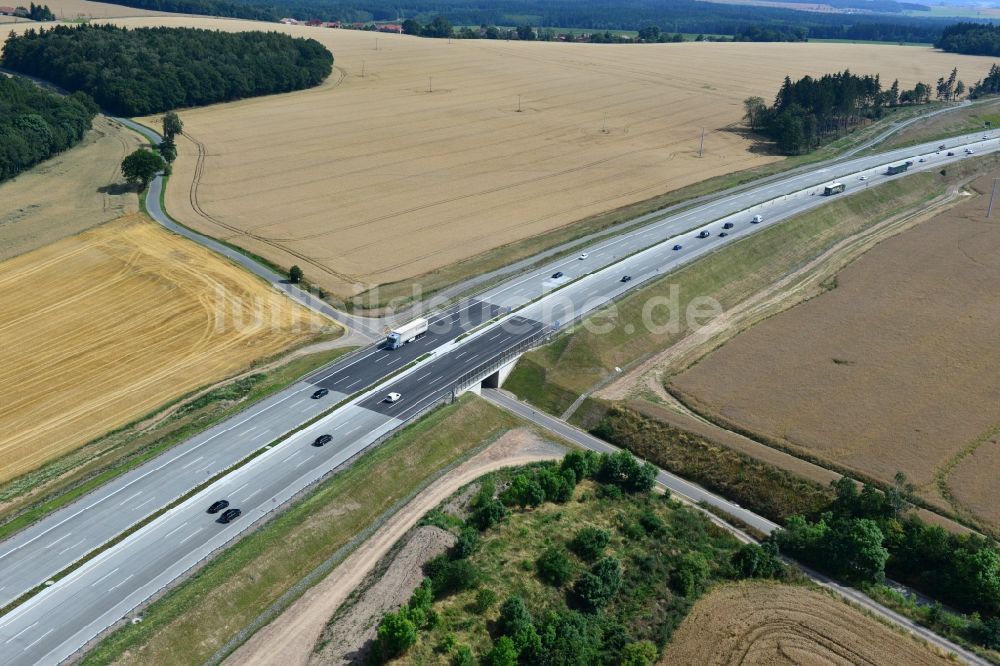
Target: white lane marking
point(423, 375)
point(384, 356)
point(252, 494)
point(192, 462)
point(247, 432)
point(129, 498)
point(21, 632)
point(294, 453)
point(58, 540)
point(69, 548)
point(121, 582)
point(136, 508)
point(190, 536)
point(32, 643)
point(335, 429)
point(298, 402)
point(354, 383)
point(241, 487)
point(107, 575)
point(174, 530)
point(303, 462)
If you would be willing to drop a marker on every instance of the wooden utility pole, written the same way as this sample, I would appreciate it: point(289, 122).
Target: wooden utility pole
point(701, 148)
point(989, 209)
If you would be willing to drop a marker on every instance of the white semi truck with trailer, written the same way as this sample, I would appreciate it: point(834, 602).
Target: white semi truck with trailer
point(406, 333)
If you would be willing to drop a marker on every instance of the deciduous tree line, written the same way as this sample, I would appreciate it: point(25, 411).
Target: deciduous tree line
point(148, 70)
point(36, 123)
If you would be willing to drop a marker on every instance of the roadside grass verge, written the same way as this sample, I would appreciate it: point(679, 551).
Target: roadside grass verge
point(758, 486)
point(972, 118)
point(31, 497)
point(193, 620)
point(400, 293)
point(582, 358)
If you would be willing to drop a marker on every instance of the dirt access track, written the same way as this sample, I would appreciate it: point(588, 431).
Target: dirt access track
point(101, 328)
point(755, 623)
point(289, 639)
point(893, 370)
point(414, 155)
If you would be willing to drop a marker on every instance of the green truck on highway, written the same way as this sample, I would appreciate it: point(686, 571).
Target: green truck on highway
point(898, 168)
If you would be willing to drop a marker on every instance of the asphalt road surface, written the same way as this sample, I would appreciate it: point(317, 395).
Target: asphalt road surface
point(59, 620)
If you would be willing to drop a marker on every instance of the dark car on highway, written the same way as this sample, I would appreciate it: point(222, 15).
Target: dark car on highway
point(229, 515)
point(319, 393)
point(951, 154)
point(322, 439)
point(723, 234)
point(678, 246)
point(727, 225)
point(557, 275)
point(218, 506)
point(626, 278)
point(703, 234)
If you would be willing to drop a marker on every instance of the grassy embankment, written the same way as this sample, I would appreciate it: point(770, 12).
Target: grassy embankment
point(498, 258)
point(972, 118)
point(579, 360)
point(192, 621)
point(32, 496)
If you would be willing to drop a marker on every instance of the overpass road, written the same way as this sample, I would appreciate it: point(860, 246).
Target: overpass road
point(461, 341)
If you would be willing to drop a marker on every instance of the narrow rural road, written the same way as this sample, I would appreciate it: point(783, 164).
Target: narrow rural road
point(696, 494)
point(360, 328)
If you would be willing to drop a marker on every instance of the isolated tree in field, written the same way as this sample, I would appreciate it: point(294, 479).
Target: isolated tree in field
point(141, 167)
point(172, 125)
point(753, 111)
point(959, 89)
point(295, 275)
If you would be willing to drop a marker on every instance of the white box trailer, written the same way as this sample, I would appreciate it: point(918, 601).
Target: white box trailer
point(406, 333)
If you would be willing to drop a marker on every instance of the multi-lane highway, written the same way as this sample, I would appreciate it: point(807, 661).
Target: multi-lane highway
point(60, 619)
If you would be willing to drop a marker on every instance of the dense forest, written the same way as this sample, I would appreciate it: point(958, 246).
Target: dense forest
point(970, 39)
point(149, 70)
point(671, 16)
point(809, 112)
point(36, 123)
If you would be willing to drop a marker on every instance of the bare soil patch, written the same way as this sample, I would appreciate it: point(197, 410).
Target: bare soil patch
point(413, 157)
point(69, 193)
point(890, 371)
point(751, 623)
point(291, 637)
point(99, 329)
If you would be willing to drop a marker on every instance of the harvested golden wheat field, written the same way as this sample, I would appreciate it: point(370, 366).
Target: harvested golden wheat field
point(101, 328)
point(758, 623)
point(414, 156)
point(70, 192)
point(893, 370)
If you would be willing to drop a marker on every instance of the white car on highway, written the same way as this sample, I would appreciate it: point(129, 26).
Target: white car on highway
point(393, 397)
point(583, 256)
